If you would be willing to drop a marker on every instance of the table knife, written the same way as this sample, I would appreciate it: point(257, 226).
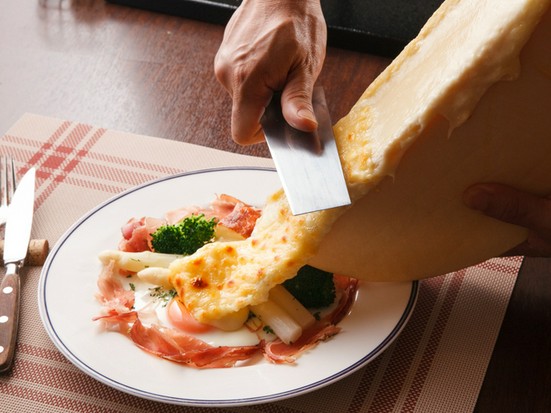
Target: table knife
point(308, 164)
point(16, 242)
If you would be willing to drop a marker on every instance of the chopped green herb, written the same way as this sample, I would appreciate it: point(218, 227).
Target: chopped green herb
point(162, 295)
point(268, 329)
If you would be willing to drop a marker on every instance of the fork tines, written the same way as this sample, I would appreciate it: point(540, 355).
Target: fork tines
point(7, 185)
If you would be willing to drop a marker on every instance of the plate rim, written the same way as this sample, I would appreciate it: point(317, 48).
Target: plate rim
point(186, 401)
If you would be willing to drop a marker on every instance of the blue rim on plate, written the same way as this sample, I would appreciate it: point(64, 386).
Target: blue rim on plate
point(74, 332)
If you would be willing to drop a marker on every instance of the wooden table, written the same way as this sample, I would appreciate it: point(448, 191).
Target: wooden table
point(152, 74)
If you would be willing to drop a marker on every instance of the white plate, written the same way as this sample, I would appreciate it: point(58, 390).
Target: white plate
point(67, 305)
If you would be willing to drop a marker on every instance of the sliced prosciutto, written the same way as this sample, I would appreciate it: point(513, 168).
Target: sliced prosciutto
point(241, 219)
point(136, 234)
point(114, 298)
point(278, 352)
point(183, 348)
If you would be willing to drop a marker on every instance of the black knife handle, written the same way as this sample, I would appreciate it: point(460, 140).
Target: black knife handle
point(9, 316)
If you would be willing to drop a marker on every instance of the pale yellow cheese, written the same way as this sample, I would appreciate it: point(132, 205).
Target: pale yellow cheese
point(414, 223)
point(409, 147)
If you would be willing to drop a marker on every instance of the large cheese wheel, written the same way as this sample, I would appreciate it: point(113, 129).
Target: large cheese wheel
point(468, 101)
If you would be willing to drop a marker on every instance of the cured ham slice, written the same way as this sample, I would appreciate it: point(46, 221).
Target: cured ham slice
point(224, 204)
point(114, 298)
point(119, 322)
point(179, 347)
point(241, 219)
point(278, 352)
point(137, 234)
point(177, 215)
point(348, 288)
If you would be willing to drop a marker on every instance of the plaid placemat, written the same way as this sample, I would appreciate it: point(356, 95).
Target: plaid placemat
point(437, 363)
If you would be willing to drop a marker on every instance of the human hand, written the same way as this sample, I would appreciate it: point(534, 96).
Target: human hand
point(269, 46)
point(516, 207)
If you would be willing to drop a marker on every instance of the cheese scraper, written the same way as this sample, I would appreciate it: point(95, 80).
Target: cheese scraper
point(308, 164)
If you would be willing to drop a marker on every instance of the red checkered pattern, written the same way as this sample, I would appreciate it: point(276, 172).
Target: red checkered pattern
point(413, 375)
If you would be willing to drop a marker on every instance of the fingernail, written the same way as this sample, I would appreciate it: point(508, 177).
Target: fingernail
point(478, 198)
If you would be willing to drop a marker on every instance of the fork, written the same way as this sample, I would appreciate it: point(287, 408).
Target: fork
point(7, 186)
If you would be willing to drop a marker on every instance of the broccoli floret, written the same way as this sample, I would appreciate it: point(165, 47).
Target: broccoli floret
point(314, 288)
point(185, 237)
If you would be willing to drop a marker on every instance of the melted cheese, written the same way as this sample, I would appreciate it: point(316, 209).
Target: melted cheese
point(222, 278)
point(409, 117)
point(478, 129)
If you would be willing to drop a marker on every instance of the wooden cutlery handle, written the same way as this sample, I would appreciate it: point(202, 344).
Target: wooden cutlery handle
point(9, 318)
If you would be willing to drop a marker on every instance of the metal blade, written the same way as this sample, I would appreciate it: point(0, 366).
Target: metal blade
point(308, 164)
point(20, 220)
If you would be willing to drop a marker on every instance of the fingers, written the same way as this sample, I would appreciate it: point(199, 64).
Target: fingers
point(247, 110)
point(519, 208)
point(510, 205)
point(251, 96)
point(249, 106)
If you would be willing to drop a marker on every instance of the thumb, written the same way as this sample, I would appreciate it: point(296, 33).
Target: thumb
point(510, 205)
point(296, 105)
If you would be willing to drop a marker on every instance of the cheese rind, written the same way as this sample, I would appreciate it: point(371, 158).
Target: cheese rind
point(489, 123)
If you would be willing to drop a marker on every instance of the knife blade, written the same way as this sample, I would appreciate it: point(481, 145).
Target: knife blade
point(308, 164)
point(16, 242)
